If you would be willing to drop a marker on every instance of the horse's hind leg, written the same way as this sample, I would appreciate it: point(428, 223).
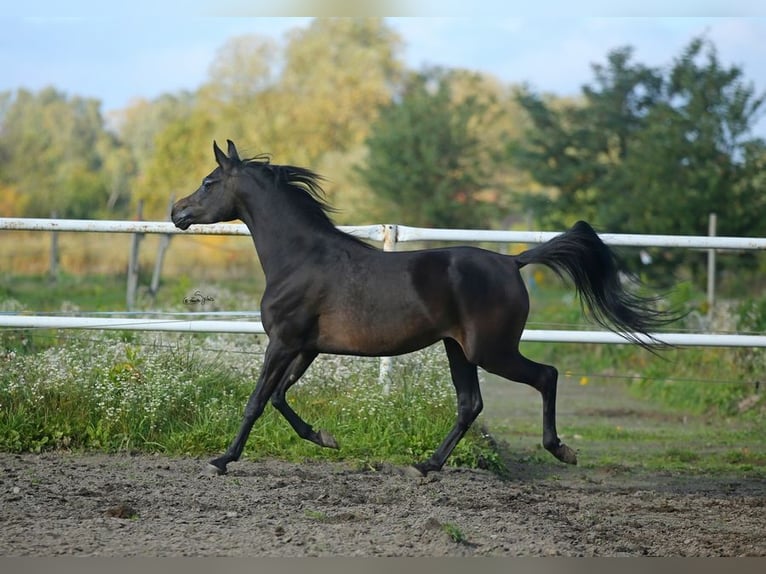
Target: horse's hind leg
point(469, 405)
point(279, 400)
point(544, 378)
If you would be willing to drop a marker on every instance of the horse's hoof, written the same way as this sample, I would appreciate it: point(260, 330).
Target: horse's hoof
point(326, 439)
point(412, 471)
point(212, 469)
point(565, 454)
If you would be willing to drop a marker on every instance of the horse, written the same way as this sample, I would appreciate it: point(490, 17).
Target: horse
point(330, 292)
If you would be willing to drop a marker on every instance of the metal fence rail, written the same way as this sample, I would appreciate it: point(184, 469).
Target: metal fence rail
point(390, 235)
point(379, 232)
point(256, 327)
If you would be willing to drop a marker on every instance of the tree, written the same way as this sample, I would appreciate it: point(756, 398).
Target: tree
point(426, 157)
point(244, 67)
point(651, 151)
point(184, 155)
point(313, 96)
point(142, 128)
point(53, 148)
point(575, 147)
point(338, 73)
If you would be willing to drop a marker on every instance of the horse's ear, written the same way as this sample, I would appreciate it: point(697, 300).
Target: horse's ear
point(220, 157)
point(233, 155)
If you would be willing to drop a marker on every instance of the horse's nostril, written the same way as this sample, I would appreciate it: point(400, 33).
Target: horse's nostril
point(181, 218)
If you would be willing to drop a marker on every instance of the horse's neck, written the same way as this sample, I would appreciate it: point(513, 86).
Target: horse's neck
point(283, 242)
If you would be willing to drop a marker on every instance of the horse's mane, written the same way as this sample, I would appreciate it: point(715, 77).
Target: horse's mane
point(305, 187)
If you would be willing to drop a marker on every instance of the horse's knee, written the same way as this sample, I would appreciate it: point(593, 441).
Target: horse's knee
point(477, 406)
point(551, 373)
point(278, 398)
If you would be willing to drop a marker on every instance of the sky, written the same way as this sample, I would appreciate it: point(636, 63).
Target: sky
point(106, 51)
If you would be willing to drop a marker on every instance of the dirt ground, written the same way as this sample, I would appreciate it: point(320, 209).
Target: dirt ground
point(57, 504)
point(68, 504)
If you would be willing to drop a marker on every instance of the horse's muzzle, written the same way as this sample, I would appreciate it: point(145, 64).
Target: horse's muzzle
point(181, 218)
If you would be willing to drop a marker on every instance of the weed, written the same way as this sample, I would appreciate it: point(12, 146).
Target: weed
point(317, 515)
point(454, 532)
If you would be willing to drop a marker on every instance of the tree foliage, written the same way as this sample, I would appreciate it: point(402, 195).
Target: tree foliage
point(650, 150)
point(54, 150)
point(315, 95)
point(338, 73)
point(427, 157)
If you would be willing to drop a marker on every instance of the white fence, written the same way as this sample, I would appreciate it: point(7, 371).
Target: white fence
point(380, 232)
point(389, 235)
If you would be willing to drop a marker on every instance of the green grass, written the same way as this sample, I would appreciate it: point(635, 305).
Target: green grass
point(698, 380)
point(97, 293)
point(178, 395)
point(91, 293)
point(184, 394)
point(612, 428)
point(454, 532)
point(691, 447)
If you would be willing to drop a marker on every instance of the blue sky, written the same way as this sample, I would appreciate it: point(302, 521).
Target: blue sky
point(117, 54)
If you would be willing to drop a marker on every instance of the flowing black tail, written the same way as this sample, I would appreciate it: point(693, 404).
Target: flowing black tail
point(580, 255)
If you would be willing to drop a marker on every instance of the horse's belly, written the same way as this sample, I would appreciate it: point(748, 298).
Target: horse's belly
point(387, 334)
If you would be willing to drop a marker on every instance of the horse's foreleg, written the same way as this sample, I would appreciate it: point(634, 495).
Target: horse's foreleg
point(276, 362)
point(469, 404)
point(278, 399)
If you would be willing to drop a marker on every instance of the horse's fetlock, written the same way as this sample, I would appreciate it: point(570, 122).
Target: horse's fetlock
point(551, 444)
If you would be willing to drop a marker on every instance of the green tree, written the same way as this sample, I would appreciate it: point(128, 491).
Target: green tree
point(53, 148)
point(426, 156)
point(314, 95)
point(338, 72)
point(697, 154)
point(184, 155)
point(650, 150)
point(142, 128)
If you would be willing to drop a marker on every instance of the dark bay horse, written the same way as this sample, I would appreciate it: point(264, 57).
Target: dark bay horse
point(328, 292)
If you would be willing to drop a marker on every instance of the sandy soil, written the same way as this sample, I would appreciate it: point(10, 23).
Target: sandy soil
point(69, 504)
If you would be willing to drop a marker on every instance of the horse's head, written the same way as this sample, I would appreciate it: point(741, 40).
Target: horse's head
point(214, 200)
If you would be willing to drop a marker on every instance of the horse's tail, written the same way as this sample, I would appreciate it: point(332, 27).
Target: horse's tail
point(580, 255)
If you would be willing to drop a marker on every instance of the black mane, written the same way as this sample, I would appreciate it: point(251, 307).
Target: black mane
point(305, 188)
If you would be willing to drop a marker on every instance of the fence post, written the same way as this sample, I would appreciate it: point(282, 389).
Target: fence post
point(163, 247)
point(133, 261)
point(712, 223)
point(53, 272)
point(390, 232)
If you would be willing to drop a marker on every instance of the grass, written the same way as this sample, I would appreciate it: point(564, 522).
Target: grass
point(184, 394)
point(454, 532)
point(73, 293)
point(612, 427)
point(691, 446)
point(176, 396)
point(106, 255)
